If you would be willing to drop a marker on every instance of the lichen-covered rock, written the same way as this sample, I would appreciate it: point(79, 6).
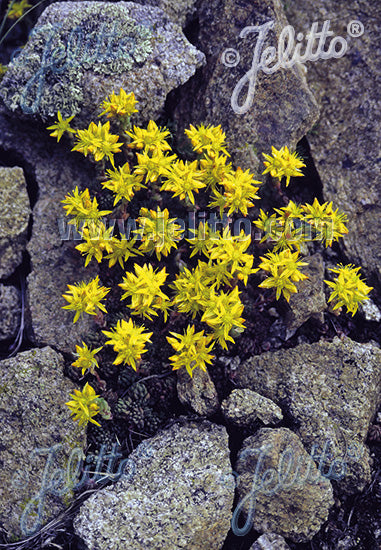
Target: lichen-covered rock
point(278, 111)
point(10, 312)
point(332, 391)
point(79, 52)
point(345, 142)
point(198, 392)
point(244, 407)
point(282, 486)
point(178, 492)
point(270, 541)
point(37, 438)
point(14, 219)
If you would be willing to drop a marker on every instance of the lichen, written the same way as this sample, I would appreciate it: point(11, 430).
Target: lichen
point(96, 38)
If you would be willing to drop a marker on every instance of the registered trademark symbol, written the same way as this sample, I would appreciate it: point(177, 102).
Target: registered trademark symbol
point(355, 28)
point(230, 57)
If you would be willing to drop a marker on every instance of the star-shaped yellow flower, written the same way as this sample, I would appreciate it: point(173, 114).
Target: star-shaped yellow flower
point(61, 126)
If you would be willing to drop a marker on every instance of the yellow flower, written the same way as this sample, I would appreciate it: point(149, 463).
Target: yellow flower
point(97, 241)
point(240, 191)
point(328, 224)
point(158, 231)
point(122, 183)
point(144, 289)
point(17, 9)
point(61, 126)
point(286, 230)
point(202, 240)
point(183, 179)
point(84, 405)
point(283, 163)
point(349, 289)
point(192, 290)
point(153, 166)
point(192, 350)
point(284, 270)
point(209, 139)
point(129, 342)
point(82, 207)
point(86, 358)
point(85, 298)
point(230, 251)
point(223, 314)
point(121, 250)
point(215, 169)
point(97, 141)
point(151, 140)
point(119, 105)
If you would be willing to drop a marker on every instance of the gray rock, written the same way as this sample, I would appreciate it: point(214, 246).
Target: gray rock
point(270, 541)
point(10, 312)
point(14, 219)
point(178, 493)
point(345, 141)
point(281, 484)
point(309, 302)
point(370, 311)
point(54, 261)
point(283, 109)
point(198, 392)
point(79, 52)
point(332, 390)
point(180, 11)
point(244, 407)
point(37, 438)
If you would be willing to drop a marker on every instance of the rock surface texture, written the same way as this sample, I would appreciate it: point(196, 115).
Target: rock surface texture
point(10, 312)
point(282, 108)
point(180, 12)
point(345, 143)
point(178, 493)
point(37, 437)
point(244, 407)
point(198, 392)
point(270, 541)
point(54, 261)
point(280, 488)
point(332, 391)
point(309, 301)
point(14, 219)
point(79, 52)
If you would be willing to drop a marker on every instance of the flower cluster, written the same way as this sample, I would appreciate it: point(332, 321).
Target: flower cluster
point(97, 141)
point(214, 264)
point(86, 298)
point(349, 289)
point(144, 289)
point(159, 233)
point(84, 405)
point(284, 270)
point(86, 358)
point(82, 208)
point(123, 183)
point(282, 163)
point(129, 342)
point(192, 350)
point(121, 105)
